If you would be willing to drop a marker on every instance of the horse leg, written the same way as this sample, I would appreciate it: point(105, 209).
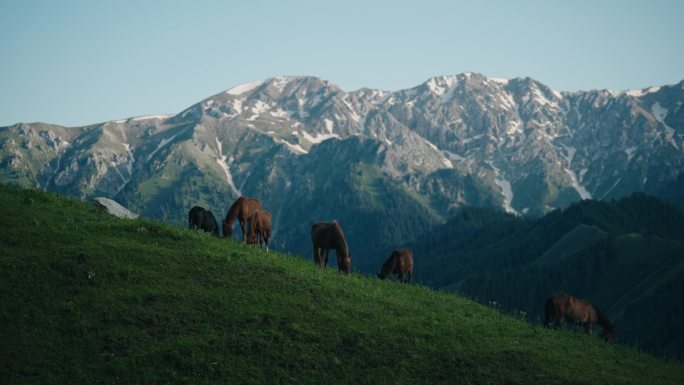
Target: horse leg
point(267, 235)
point(320, 255)
point(242, 227)
point(326, 252)
point(587, 328)
point(401, 277)
point(316, 257)
point(560, 320)
point(410, 278)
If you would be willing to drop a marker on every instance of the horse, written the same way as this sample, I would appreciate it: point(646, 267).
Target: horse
point(259, 228)
point(241, 209)
point(199, 218)
point(400, 262)
point(326, 236)
point(564, 306)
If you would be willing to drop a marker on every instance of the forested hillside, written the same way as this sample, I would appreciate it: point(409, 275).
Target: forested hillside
point(626, 256)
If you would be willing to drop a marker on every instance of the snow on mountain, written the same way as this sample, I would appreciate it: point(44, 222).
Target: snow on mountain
point(550, 148)
point(660, 113)
point(243, 88)
point(223, 161)
point(642, 92)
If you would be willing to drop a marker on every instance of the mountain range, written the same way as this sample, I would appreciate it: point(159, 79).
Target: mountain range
point(387, 165)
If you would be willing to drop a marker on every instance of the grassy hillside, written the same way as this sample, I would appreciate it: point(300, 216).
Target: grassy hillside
point(87, 298)
point(621, 255)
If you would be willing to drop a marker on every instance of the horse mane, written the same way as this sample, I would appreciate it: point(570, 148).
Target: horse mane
point(233, 211)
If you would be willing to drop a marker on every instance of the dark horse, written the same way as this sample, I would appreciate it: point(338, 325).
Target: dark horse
point(199, 218)
point(259, 228)
point(326, 236)
point(400, 262)
point(241, 209)
point(579, 311)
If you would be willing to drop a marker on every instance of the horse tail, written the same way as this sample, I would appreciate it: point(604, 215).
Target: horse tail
point(548, 311)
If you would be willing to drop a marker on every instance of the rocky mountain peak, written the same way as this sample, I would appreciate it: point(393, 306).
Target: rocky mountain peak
point(533, 147)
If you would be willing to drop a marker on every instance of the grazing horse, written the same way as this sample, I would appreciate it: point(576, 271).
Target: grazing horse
point(326, 236)
point(199, 218)
point(564, 306)
point(259, 228)
point(241, 209)
point(400, 262)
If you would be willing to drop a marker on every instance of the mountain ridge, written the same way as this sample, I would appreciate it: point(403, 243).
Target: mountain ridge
point(449, 142)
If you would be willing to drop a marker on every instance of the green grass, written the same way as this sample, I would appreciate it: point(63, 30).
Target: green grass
point(369, 179)
point(87, 298)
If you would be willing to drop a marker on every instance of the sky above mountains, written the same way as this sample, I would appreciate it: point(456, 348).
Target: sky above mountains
point(82, 62)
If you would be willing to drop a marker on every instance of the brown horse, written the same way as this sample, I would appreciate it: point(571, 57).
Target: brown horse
point(259, 228)
point(326, 236)
point(400, 262)
point(579, 311)
point(241, 209)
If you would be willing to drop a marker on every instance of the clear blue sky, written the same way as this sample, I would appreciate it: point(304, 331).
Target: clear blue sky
point(81, 62)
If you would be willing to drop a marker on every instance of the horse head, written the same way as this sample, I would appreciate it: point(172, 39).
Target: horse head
point(227, 230)
point(383, 273)
point(608, 333)
point(345, 264)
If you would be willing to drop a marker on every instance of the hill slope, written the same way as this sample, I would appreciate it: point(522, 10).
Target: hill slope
point(87, 298)
point(624, 255)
